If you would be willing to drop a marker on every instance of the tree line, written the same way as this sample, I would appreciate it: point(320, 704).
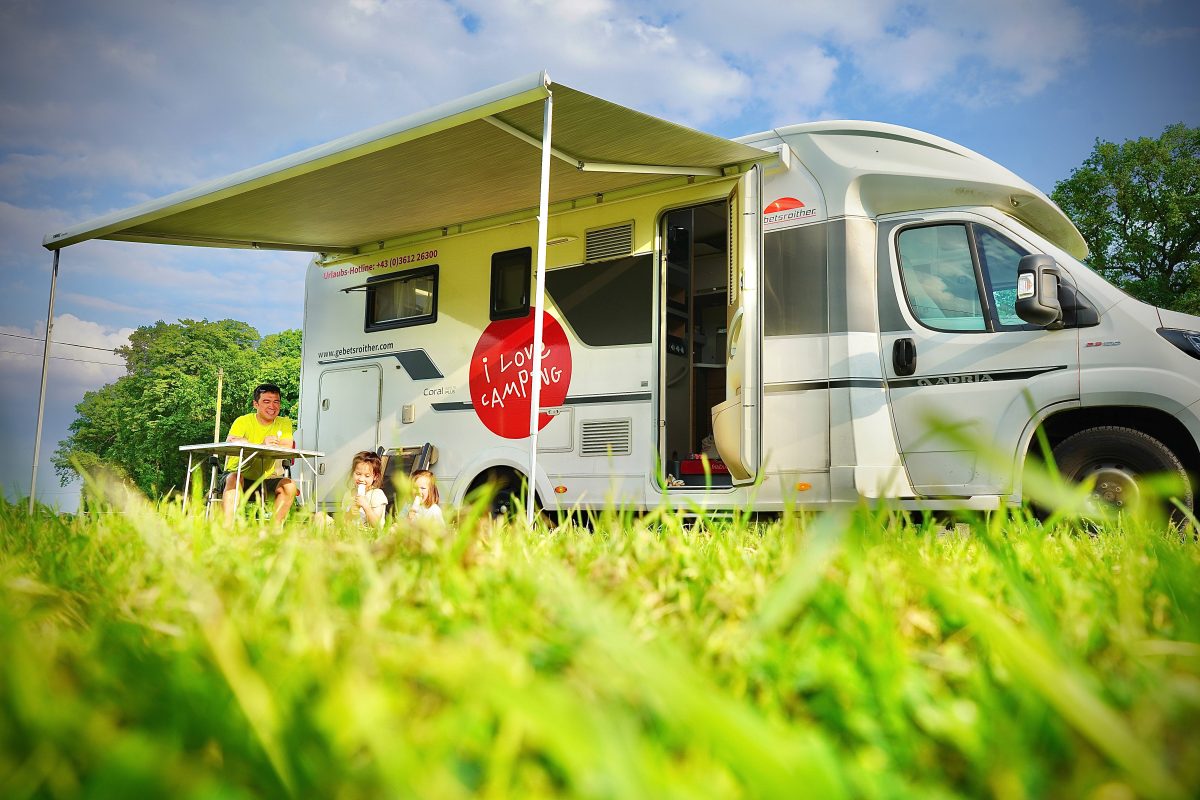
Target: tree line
point(1137, 205)
point(132, 428)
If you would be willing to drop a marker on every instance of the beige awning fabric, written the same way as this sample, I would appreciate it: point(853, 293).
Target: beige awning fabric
point(464, 161)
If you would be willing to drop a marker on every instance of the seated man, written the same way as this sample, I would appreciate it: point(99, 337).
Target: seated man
point(264, 426)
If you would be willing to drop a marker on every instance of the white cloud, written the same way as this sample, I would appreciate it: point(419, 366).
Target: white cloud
point(139, 104)
point(974, 51)
point(84, 163)
point(104, 304)
point(83, 368)
point(26, 225)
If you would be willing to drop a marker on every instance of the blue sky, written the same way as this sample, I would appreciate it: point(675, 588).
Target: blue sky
point(105, 105)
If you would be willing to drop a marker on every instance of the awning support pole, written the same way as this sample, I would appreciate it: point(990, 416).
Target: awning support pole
point(37, 437)
point(539, 293)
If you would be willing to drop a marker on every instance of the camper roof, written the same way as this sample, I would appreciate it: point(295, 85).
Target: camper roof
point(872, 168)
point(463, 161)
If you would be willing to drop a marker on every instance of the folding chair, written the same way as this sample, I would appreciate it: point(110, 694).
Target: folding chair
point(404, 461)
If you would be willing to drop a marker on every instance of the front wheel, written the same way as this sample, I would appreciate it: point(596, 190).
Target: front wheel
point(1118, 459)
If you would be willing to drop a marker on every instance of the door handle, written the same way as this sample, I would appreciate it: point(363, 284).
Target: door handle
point(734, 336)
point(904, 356)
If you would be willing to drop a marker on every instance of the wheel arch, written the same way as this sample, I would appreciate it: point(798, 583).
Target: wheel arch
point(1165, 427)
point(508, 462)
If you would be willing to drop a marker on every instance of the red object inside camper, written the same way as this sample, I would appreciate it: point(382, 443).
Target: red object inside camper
point(695, 466)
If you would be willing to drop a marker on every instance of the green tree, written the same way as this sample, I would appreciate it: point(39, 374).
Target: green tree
point(135, 425)
point(1137, 205)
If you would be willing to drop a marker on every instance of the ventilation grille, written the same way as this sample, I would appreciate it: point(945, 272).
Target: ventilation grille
point(605, 437)
point(610, 242)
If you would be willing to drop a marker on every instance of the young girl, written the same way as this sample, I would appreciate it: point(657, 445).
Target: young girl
point(366, 498)
point(425, 505)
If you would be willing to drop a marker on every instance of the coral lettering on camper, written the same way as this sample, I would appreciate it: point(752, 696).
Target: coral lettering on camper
point(502, 374)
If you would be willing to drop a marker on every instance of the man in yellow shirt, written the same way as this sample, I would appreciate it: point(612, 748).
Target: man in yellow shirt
point(264, 426)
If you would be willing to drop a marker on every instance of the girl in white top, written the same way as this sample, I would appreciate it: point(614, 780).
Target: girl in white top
point(367, 499)
point(425, 505)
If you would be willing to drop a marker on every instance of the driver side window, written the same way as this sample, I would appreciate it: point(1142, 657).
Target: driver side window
point(938, 274)
point(941, 267)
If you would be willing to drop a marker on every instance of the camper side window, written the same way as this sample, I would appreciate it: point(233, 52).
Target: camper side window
point(511, 270)
point(795, 284)
point(402, 299)
point(606, 303)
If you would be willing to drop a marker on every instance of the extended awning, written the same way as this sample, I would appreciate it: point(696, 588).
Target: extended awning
point(467, 161)
point(463, 161)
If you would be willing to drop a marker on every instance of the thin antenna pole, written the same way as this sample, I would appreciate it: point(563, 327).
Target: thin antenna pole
point(217, 423)
point(37, 437)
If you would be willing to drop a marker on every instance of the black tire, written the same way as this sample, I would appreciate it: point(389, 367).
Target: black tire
point(508, 487)
point(1119, 458)
point(508, 492)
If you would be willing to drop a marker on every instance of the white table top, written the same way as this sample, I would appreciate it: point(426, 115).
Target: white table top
point(248, 448)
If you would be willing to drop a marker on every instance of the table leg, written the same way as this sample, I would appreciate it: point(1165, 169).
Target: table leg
point(187, 483)
point(212, 487)
point(241, 460)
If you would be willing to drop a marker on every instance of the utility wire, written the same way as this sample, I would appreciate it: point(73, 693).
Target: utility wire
point(64, 358)
point(55, 341)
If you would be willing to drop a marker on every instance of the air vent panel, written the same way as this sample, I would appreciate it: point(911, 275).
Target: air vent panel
point(614, 242)
point(604, 437)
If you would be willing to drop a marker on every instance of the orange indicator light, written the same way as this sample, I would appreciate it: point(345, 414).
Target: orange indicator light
point(803, 487)
point(560, 490)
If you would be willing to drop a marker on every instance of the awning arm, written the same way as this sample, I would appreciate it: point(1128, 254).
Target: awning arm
point(533, 140)
point(601, 166)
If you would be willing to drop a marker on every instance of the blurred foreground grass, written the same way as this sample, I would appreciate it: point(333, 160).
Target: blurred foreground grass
point(843, 655)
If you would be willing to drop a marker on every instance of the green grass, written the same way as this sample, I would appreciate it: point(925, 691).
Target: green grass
point(858, 654)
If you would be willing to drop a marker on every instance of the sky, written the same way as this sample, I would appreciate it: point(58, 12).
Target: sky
point(107, 105)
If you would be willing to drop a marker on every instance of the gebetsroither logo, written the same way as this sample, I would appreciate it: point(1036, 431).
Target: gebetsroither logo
point(786, 209)
point(783, 204)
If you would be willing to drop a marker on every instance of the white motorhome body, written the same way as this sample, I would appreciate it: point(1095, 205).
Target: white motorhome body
point(640, 288)
point(825, 312)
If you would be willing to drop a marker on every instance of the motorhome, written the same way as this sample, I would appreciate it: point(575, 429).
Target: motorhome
point(819, 314)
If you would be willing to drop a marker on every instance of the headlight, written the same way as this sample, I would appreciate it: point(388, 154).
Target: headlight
point(1187, 341)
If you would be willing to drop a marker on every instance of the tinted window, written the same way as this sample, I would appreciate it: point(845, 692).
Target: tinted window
point(794, 294)
point(510, 283)
point(407, 298)
point(938, 274)
point(608, 302)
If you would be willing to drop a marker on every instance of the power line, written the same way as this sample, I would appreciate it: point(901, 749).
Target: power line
point(64, 358)
point(55, 341)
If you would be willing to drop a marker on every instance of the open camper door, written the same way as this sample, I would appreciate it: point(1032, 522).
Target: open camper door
point(737, 422)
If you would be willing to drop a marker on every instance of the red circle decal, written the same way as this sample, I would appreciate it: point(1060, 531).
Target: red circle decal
point(502, 371)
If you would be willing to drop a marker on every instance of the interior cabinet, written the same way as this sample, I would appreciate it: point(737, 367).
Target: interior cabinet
point(678, 310)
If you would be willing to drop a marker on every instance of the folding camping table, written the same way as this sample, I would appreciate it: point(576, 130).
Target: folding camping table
point(245, 452)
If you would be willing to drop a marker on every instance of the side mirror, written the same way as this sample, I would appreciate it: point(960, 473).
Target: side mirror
point(1037, 291)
